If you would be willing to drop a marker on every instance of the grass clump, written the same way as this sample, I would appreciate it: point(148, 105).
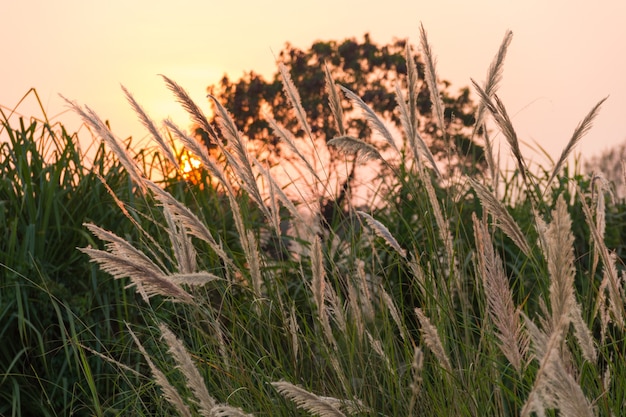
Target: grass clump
point(490, 295)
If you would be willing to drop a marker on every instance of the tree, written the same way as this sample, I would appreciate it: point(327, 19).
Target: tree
point(370, 71)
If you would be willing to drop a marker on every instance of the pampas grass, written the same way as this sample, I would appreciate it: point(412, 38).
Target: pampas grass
point(464, 321)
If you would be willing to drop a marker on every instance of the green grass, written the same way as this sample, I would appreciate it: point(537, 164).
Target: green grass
point(403, 310)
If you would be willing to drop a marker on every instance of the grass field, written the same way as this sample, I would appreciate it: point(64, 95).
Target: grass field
point(128, 287)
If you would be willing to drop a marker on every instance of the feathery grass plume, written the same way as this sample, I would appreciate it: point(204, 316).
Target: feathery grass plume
point(494, 76)
point(254, 262)
point(223, 410)
point(560, 258)
point(432, 340)
point(580, 131)
point(416, 374)
point(276, 191)
point(393, 310)
point(94, 122)
point(189, 220)
point(444, 232)
point(287, 138)
point(365, 296)
point(611, 280)
point(169, 392)
point(380, 351)
point(554, 387)
point(294, 329)
point(334, 101)
point(191, 108)
point(201, 152)
point(240, 160)
point(612, 284)
point(431, 80)
point(501, 216)
point(318, 288)
point(306, 400)
point(492, 163)
point(294, 98)
point(599, 186)
point(184, 251)
point(149, 124)
point(513, 340)
point(381, 231)
point(122, 260)
point(374, 122)
point(562, 270)
point(348, 145)
point(418, 146)
point(186, 365)
point(355, 308)
point(500, 115)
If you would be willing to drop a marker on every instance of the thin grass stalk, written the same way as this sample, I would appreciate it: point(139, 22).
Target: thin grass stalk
point(191, 108)
point(169, 392)
point(381, 231)
point(122, 260)
point(149, 124)
point(431, 81)
point(494, 76)
point(432, 340)
point(409, 125)
point(374, 122)
point(92, 120)
point(189, 369)
point(501, 117)
point(318, 288)
point(580, 131)
point(416, 383)
point(306, 400)
point(334, 101)
point(501, 217)
point(501, 308)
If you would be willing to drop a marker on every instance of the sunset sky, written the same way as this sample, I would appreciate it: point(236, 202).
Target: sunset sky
point(565, 55)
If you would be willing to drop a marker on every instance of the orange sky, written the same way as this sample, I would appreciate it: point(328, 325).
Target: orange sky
point(565, 55)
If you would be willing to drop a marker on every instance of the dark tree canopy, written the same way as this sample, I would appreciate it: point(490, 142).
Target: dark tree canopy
point(369, 70)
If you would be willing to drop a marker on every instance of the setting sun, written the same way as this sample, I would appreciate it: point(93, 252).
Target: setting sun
point(190, 167)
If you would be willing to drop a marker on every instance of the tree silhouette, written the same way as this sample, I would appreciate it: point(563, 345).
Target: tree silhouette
point(370, 71)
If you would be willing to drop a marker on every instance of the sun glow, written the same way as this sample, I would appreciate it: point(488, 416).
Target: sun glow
point(190, 167)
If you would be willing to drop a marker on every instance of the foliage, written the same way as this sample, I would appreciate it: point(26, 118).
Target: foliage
point(506, 297)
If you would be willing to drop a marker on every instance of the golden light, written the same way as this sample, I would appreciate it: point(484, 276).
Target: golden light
point(190, 167)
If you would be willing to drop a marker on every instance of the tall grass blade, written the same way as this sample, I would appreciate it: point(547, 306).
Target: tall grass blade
point(431, 80)
point(580, 131)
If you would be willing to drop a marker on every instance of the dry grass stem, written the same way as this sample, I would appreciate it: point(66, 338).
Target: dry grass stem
point(305, 400)
point(348, 145)
point(291, 92)
point(502, 311)
point(287, 138)
point(494, 76)
point(188, 368)
point(191, 108)
point(122, 260)
point(501, 216)
point(375, 123)
point(416, 142)
point(169, 392)
point(580, 131)
point(381, 231)
point(184, 251)
point(149, 124)
point(92, 120)
point(503, 121)
point(432, 340)
point(334, 102)
point(431, 80)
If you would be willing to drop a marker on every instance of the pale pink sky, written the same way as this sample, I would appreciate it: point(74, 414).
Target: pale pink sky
point(565, 55)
